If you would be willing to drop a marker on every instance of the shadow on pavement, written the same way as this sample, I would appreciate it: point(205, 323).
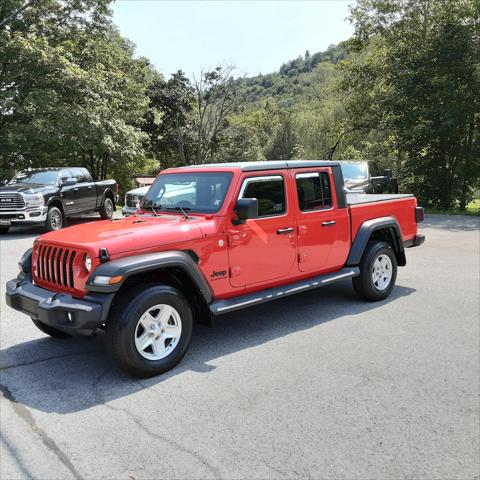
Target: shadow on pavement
point(79, 375)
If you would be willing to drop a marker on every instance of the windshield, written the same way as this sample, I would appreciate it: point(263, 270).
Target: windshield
point(193, 192)
point(42, 178)
point(354, 171)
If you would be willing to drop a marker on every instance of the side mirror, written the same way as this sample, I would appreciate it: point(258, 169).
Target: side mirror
point(3, 183)
point(246, 208)
point(388, 173)
point(68, 182)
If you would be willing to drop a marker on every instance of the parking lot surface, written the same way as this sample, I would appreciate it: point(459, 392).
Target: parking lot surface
point(319, 385)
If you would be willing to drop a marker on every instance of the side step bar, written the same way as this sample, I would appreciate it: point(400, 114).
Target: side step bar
point(219, 307)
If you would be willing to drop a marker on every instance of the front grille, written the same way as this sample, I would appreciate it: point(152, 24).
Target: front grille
point(132, 200)
point(55, 265)
point(11, 201)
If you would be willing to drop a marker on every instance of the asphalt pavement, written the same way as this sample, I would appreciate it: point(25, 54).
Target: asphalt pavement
point(320, 385)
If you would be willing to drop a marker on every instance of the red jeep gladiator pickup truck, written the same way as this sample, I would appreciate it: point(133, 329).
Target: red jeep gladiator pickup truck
point(208, 240)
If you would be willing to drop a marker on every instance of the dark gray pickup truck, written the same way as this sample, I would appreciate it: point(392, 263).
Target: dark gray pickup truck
point(48, 196)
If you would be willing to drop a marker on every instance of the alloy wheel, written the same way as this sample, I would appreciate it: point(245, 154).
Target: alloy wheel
point(109, 207)
point(56, 220)
point(158, 332)
point(382, 272)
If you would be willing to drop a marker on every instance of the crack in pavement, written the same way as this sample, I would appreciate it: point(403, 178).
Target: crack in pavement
point(282, 473)
point(8, 447)
point(33, 362)
point(28, 418)
point(138, 422)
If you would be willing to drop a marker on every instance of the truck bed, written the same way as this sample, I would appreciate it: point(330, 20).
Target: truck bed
point(364, 207)
point(361, 198)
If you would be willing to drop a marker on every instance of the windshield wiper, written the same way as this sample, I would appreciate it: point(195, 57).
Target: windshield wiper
point(181, 209)
point(151, 207)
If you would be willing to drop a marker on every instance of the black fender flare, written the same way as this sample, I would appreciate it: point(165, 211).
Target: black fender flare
point(108, 191)
point(55, 199)
point(365, 232)
point(128, 266)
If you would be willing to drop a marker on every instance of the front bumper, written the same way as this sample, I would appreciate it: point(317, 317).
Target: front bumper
point(59, 310)
point(25, 216)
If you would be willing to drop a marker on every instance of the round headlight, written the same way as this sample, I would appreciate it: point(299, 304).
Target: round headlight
point(88, 263)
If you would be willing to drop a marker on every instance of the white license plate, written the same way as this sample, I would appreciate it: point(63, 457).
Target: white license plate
point(5, 223)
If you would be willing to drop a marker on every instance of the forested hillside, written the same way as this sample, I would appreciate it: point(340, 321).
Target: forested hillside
point(404, 90)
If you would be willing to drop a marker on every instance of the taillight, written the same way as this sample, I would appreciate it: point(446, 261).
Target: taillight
point(116, 188)
point(419, 214)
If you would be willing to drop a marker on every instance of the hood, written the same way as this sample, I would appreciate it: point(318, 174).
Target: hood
point(128, 234)
point(27, 188)
point(138, 191)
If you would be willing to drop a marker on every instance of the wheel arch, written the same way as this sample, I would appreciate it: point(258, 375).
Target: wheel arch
point(177, 269)
point(57, 202)
point(108, 193)
point(385, 229)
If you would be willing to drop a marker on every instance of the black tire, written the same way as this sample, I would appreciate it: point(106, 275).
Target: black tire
point(364, 284)
point(107, 209)
point(47, 329)
point(4, 230)
point(121, 329)
point(55, 220)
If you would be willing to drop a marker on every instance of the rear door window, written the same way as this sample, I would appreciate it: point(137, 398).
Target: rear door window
point(314, 191)
point(374, 170)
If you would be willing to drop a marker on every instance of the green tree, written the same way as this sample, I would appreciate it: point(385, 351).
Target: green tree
point(71, 90)
point(250, 133)
point(416, 72)
point(170, 121)
point(216, 99)
point(283, 144)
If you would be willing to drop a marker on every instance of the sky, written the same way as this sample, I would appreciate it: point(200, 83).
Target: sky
point(254, 36)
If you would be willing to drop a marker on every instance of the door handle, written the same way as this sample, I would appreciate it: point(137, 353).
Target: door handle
point(90, 187)
point(75, 189)
point(284, 231)
point(329, 223)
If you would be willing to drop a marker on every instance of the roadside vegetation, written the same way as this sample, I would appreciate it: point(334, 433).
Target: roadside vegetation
point(404, 90)
point(472, 209)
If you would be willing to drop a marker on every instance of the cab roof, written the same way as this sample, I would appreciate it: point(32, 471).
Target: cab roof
point(266, 165)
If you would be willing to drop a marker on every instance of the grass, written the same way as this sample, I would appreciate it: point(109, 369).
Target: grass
point(473, 209)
